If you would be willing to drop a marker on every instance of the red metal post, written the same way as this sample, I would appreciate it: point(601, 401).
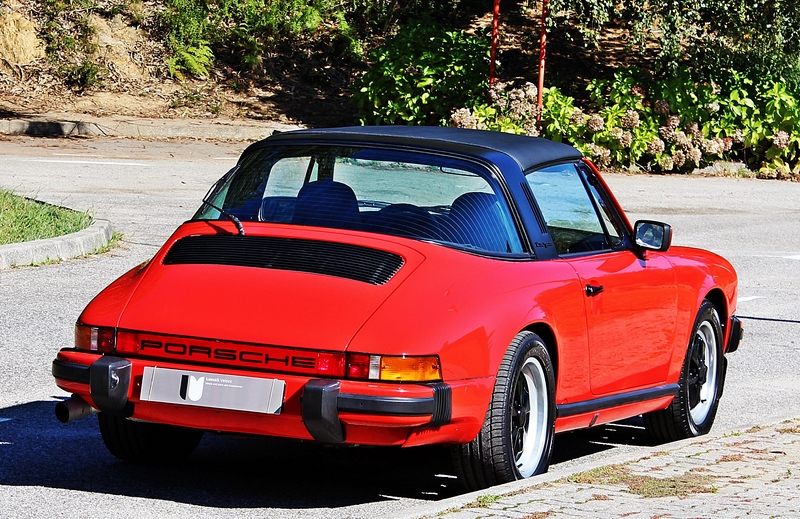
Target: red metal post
point(495, 25)
point(542, 47)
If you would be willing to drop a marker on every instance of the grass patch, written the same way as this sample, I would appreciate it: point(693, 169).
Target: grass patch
point(113, 243)
point(23, 219)
point(689, 483)
point(484, 501)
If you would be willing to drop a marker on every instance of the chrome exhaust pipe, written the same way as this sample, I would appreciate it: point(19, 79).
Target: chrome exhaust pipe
point(73, 408)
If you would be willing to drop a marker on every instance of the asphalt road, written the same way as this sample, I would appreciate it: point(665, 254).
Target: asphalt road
point(146, 189)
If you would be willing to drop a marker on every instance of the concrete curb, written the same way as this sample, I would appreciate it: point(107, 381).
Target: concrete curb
point(438, 508)
point(84, 125)
point(72, 245)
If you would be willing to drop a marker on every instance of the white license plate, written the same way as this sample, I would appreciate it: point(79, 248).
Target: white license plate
point(201, 389)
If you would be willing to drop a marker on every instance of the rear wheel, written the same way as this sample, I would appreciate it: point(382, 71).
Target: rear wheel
point(147, 443)
point(694, 408)
point(516, 439)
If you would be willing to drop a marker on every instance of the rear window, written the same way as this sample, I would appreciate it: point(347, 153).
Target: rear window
point(413, 195)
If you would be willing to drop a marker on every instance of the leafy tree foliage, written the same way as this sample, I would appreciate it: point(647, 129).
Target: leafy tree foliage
point(760, 38)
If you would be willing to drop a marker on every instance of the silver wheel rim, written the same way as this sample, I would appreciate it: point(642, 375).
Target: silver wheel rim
point(702, 382)
point(529, 417)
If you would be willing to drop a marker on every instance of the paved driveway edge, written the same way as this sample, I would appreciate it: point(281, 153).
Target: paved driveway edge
point(72, 245)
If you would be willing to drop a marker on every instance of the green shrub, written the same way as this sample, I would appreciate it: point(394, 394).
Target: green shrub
point(83, 75)
point(421, 74)
point(673, 125)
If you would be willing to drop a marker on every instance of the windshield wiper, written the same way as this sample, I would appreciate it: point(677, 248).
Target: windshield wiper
point(236, 221)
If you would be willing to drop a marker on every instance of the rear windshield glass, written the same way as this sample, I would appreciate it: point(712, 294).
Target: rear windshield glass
point(413, 195)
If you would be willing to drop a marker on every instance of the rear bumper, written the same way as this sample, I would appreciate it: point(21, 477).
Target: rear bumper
point(325, 410)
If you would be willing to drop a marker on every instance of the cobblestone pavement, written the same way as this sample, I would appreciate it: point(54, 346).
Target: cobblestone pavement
point(748, 474)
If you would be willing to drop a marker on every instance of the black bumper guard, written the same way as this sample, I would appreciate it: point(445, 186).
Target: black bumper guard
point(322, 402)
point(735, 337)
point(108, 377)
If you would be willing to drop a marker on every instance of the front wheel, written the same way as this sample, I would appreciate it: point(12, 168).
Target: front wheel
point(516, 439)
point(147, 443)
point(694, 408)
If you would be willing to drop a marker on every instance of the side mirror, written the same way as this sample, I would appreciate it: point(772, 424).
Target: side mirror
point(652, 235)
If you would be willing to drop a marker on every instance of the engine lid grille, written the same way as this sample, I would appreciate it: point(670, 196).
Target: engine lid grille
point(318, 257)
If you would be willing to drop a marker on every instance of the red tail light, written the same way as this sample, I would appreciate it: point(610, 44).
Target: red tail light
point(93, 338)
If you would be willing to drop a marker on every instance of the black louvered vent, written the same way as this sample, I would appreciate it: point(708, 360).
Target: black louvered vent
point(318, 257)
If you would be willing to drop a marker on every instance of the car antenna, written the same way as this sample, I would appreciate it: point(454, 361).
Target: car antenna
point(236, 221)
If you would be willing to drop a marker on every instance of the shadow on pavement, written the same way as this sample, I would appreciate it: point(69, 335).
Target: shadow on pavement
point(246, 472)
point(225, 471)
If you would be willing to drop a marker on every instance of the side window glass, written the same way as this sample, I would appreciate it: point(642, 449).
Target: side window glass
point(606, 214)
point(568, 210)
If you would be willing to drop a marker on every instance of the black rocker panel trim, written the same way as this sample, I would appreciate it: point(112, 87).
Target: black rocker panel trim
point(607, 402)
point(343, 260)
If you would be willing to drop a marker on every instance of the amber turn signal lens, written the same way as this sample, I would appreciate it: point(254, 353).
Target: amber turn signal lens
point(410, 369)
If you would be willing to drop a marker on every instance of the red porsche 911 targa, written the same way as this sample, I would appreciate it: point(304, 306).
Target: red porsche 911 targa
point(406, 286)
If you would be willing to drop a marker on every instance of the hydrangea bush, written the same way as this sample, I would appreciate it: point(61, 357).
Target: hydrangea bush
point(673, 126)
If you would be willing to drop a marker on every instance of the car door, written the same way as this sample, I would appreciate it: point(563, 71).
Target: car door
point(630, 301)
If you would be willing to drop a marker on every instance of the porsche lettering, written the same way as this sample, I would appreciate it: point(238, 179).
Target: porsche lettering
point(251, 357)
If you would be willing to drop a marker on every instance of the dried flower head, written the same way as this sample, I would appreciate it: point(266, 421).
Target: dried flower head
point(630, 119)
point(712, 107)
point(738, 136)
point(666, 163)
point(692, 128)
point(666, 132)
point(681, 139)
point(638, 91)
point(531, 128)
point(626, 139)
point(679, 158)
point(673, 121)
point(694, 155)
point(781, 140)
point(661, 107)
point(531, 92)
point(595, 123)
point(728, 144)
point(463, 118)
point(616, 133)
point(578, 117)
point(600, 155)
point(655, 147)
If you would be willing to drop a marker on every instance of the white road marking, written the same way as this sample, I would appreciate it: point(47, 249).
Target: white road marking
point(793, 257)
point(92, 162)
point(749, 298)
point(84, 155)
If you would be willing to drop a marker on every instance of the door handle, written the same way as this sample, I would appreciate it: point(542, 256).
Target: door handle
point(593, 290)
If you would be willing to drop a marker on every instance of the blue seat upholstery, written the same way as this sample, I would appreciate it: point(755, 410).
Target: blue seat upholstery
point(406, 220)
point(475, 221)
point(327, 203)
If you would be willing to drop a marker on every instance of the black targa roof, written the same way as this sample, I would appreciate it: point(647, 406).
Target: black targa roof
point(528, 152)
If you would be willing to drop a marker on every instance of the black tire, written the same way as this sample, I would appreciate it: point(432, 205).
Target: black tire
point(694, 408)
point(147, 443)
point(516, 439)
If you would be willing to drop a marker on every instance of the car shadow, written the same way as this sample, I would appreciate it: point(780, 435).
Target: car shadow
point(586, 442)
point(225, 471)
point(229, 471)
